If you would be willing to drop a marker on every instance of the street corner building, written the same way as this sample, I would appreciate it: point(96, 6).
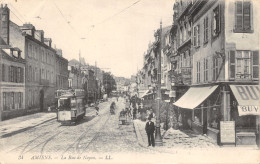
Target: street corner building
point(225, 70)
point(210, 68)
point(31, 69)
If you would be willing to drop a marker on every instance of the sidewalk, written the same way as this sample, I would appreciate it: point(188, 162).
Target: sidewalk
point(28, 121)
point(18, 124)
point(174, 138)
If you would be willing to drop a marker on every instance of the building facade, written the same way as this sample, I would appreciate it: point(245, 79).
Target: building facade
point(62, 73)
point(12, 84)
point(210, 58)
point(225, 52)
point(39, 62)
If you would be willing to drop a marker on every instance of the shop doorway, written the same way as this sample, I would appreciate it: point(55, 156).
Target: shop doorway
point(41, 100)
point(205, 120)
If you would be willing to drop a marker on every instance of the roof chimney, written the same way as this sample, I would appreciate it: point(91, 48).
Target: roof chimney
point(4, 25)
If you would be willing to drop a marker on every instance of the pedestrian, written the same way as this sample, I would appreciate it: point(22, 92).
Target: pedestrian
point(97, 109)
point(149, 128)
point(134, 113)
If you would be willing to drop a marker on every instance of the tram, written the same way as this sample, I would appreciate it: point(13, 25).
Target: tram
point(71, 105)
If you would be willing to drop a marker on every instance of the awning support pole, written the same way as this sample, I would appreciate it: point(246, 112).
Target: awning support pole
point(225, 105)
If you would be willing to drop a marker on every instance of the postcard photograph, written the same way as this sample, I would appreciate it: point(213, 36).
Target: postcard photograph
point(129, 81)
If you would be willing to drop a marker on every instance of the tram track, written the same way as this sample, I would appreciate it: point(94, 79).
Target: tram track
point(43, 143)
point(76, 143)
point(95, 136)
point(37, 140)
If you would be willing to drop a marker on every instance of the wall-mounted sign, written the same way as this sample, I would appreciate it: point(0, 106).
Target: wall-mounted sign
point(227, 132)
point(248, 110)
point(172, 94)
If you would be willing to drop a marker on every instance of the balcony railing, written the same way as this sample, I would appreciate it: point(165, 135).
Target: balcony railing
point(245, 76)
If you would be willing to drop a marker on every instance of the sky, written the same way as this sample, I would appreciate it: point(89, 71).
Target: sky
point(113, 33)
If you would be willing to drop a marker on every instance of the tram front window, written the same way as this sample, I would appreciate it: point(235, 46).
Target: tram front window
point(64, 104)
point(73, 103)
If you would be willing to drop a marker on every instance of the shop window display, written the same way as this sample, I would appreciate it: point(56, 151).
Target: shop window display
point(197, 116)
point(214, 117)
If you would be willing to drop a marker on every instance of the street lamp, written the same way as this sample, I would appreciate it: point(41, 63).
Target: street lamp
point(158, 137)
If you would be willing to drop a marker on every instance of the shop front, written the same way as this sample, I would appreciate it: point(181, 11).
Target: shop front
point(245, 112)
point(200, 110)
point(147, 98)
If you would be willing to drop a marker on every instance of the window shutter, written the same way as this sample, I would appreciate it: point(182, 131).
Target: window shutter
point(204, 28)
point(198, 35)
point(3, 72)
point(239, 15)
point(232, 61)
point(255, 64)
point(246, 16)
point(10, 73)
point(213, 69)
point(207, 28)
point(218, 19)
point(15, 74)
point(194, 36)
point(22, 75)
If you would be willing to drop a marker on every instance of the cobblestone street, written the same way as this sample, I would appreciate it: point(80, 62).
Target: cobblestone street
point(93, 134)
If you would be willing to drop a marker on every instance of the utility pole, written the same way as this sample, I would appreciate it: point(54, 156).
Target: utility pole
point(158, 137)
point(96, 79)
point(78, 72)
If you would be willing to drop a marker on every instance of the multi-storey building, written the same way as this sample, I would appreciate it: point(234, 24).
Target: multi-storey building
point(225, 72)
point(61, 69)
point(12, 86)
point(77, 75)
point(40, 65)
point(40, 61)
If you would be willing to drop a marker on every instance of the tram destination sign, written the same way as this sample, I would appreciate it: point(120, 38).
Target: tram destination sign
point(227, 132)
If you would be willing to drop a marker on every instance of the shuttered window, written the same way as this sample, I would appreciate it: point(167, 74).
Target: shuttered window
point(196, 36)
point(216, 21)
point(244, 65)
point(243, 16)
point(255, 65)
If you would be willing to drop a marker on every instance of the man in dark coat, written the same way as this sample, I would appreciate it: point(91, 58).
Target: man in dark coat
point(149, 128)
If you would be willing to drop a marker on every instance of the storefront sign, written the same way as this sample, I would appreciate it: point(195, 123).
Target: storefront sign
point(172, 94)
point(248, 110)
point(227, 132)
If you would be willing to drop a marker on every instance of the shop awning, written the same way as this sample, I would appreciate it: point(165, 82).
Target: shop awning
point(247, 97)
point(195, 96)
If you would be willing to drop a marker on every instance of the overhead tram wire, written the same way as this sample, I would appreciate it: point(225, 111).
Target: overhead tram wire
point(66, 20)
point(17, 11)
point(121, 11)
point(108, 18)
point(92, 26)
point(20, 21)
